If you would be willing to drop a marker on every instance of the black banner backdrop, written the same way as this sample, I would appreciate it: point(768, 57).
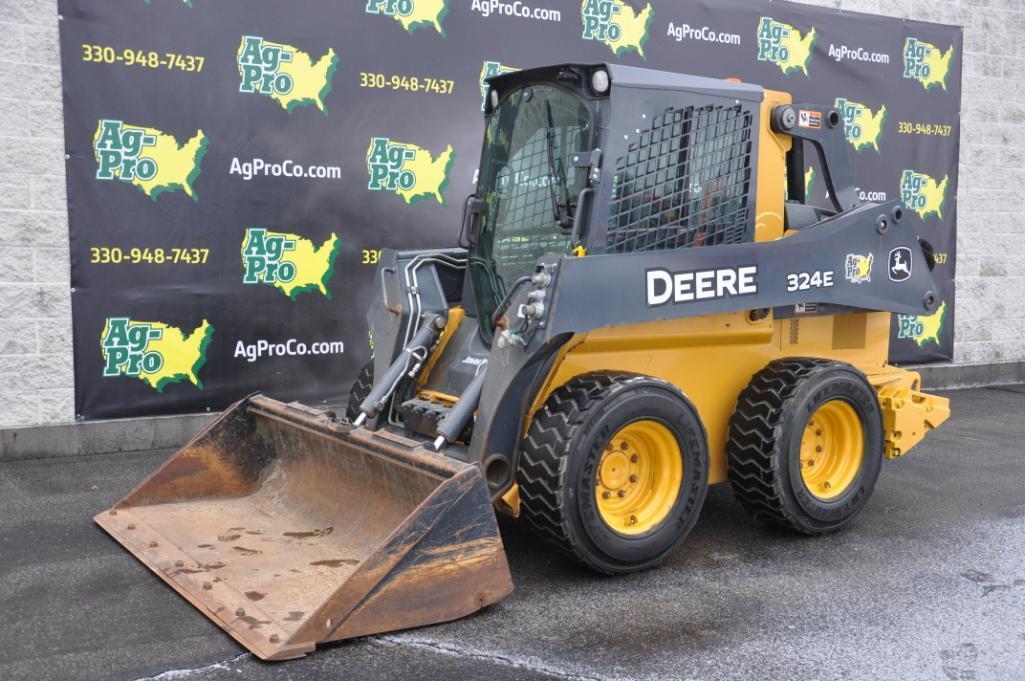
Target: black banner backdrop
point(235, 165)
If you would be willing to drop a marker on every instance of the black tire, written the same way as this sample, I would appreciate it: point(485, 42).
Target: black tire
point(764, 444)
point(559, 460)
point(360, 389)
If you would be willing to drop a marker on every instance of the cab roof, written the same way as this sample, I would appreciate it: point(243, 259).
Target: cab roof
point(632, 77)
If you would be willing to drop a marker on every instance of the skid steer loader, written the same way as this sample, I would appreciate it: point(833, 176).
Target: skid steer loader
point(643, 304)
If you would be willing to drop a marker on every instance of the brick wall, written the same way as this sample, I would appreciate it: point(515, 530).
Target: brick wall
point(36, 382)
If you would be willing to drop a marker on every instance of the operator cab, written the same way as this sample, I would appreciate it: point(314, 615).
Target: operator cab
point(681, 177)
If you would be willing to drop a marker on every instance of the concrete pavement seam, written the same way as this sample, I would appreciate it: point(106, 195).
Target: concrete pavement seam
point(186, 673)
point(448, 649)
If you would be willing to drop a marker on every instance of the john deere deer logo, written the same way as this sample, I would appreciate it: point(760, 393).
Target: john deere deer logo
point(900, 264)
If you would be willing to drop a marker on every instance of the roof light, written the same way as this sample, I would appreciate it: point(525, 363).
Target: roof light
point(494, 99)
point(600, 81)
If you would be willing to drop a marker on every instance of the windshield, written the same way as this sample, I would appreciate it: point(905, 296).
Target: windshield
point(529, 186)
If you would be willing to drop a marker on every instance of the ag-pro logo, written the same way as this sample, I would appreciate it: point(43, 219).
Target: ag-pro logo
point(923, 194)
point(617, 25)
point(922, 328)
point(926, 63)
point(148, 159)
point(858, 268)
point(288, 262)
point(284, 73)
point(490, 70)
point(412, 14)
point(862, 127)
point(408, 170)
point(154, 352)
point(118, 152)
point(784, 45)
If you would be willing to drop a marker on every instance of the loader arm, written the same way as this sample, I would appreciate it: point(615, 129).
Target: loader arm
point(656, 285)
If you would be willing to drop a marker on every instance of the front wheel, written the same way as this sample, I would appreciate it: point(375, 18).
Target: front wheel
point(614, 470)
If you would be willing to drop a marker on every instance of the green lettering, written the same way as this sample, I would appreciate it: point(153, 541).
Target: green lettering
point(117, 333)
point(110, 135)
point(251, 53)
point(255, 242)
point(379, 151)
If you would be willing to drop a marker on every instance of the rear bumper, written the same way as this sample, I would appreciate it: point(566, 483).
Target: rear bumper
point(908, 413)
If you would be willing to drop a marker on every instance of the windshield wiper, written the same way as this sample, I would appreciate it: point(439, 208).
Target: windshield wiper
point(565, 221)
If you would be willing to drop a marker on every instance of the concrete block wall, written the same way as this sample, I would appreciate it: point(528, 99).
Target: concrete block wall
point(36, 380)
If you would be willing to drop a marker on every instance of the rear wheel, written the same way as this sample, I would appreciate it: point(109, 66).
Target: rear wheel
point(360, 390)
point(614, 470)
point(806, 444)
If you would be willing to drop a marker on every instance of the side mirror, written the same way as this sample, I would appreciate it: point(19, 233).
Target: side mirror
point(473, 208)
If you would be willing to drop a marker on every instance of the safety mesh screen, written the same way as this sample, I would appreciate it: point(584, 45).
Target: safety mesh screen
point(684, 182)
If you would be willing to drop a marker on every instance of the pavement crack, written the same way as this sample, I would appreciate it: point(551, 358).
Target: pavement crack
point(187, 673)
point(529, 664)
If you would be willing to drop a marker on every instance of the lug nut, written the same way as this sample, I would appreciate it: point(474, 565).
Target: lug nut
point(621, 493)
point(131, 526)
point(826, 485)
point(113, 512)
point(818, 432)
point(240, 612)
point(633, 520)
point(633, 478)
point(634, 459)
point(207, 585)
point(274, 638)
point(605, 495)
point(818, 448)
point(179, 563)
point(153, 545)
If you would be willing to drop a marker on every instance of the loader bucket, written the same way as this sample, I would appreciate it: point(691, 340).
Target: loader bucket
point(288, 530)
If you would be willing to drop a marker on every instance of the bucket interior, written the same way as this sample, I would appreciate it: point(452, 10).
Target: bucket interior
point(280, 513)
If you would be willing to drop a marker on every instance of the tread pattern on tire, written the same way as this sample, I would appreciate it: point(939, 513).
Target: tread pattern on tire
point(755, 429)
point(360, 389)
point(544, 455)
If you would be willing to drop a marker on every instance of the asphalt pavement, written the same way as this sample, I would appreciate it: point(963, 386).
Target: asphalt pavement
point(928, 583)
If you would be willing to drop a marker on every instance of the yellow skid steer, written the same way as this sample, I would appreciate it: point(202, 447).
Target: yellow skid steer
point(642, 303)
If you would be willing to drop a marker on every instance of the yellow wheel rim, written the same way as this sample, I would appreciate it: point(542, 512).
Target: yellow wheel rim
point(639, 477)
point(832, 447)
